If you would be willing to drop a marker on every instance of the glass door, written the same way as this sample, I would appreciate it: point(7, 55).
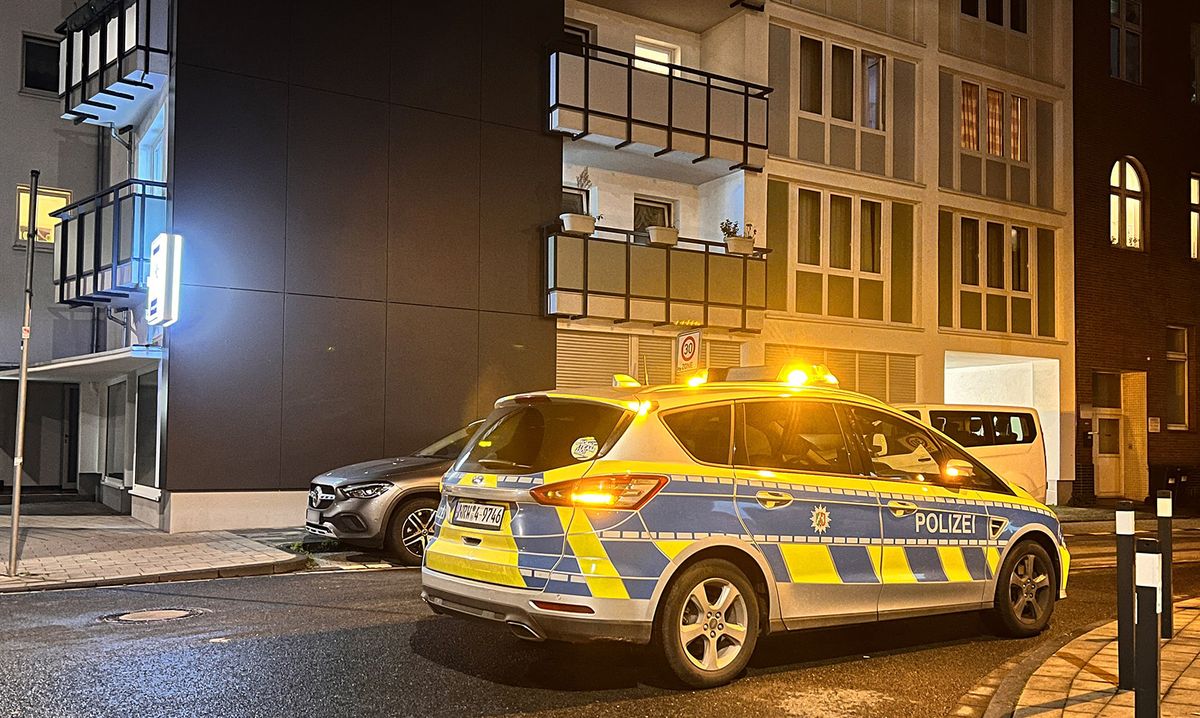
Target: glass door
point(145, 471)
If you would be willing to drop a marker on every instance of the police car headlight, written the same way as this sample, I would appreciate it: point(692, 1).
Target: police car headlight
point(367, 491)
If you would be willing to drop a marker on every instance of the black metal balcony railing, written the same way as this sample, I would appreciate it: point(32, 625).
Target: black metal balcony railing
point(618, 276)
point(597, 90)
point(102, 243)
point(113, 57)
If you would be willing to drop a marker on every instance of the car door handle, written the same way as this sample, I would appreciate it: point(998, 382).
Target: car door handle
point(773, 499)
point(900, 509)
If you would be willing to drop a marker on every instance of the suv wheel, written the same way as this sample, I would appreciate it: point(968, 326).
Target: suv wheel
point(410, 528)
point(1025, 591)
point(708, 624)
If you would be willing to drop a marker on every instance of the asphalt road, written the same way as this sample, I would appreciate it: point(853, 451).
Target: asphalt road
point(362, 644)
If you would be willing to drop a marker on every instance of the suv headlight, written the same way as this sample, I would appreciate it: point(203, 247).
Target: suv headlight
point(367, 491)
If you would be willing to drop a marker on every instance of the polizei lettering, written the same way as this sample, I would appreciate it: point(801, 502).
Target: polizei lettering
point(939, 523)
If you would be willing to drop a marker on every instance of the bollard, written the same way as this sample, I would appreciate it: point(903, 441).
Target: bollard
point(1146, 696)
point(1164, 545)
point(1126, 666)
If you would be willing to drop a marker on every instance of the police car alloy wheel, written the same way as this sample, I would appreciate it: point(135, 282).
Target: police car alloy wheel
point(1025, 590)
point(707, 625)
point(409, 530)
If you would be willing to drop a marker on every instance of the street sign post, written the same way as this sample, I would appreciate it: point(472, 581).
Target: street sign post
point(687, 351)
point(1126, 666)
point(23, 375)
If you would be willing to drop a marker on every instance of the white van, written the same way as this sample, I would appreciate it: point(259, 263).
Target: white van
point(1008, 439)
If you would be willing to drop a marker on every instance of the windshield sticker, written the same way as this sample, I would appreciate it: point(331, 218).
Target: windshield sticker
point(585, 447)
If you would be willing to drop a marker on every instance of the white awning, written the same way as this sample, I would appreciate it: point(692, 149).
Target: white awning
point(94, 367)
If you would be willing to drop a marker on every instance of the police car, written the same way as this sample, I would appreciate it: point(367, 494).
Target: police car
point(698, 517)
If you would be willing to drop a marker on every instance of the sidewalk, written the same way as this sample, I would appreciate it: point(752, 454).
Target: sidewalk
point(84, 551)
point(1080, 679)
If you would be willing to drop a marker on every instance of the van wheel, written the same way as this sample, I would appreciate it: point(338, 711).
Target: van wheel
point(707, 625)
point(1025, 591)
point(409, 529)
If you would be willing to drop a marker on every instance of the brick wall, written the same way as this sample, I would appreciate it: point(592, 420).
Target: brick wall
point(1125, 299)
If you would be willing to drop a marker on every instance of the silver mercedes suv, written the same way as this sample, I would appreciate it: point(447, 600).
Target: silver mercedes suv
point(386, 503)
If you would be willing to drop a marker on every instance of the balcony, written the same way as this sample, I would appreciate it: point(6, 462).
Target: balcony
point(606, 96)
point(102, 243)
point(113, 59)
point(614, 275)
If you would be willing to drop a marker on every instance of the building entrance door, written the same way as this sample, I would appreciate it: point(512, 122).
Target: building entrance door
point(1106, 455)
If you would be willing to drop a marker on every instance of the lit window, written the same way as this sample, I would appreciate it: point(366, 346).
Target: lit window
point(1177, 378)
point(654, 56)
point(995, 122)
point(970, 116)
point(1194, 201)
point(1125, 40)
point(650, 213)
point(872, 90)
point(49, 200)
point(39, 65)
point(1017, 132)
point(1125, 205)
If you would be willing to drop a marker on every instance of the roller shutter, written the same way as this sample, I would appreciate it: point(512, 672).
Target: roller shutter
point(589, 359)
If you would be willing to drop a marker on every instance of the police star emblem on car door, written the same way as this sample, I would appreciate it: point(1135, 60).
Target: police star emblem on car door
point(820, 519)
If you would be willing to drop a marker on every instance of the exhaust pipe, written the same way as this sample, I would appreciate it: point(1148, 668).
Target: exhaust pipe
point(524, 632)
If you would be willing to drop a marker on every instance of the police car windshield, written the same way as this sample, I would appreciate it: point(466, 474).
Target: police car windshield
point(528, 438)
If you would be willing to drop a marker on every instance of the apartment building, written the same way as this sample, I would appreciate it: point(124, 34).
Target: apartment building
point(314, 240)
point(1137, 244)
point(906, 166)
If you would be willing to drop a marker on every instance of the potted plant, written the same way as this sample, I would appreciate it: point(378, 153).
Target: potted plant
point(663, 236)
point(584, 224)
point(737, 241)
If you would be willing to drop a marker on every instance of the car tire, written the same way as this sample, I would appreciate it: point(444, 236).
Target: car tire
point(409, 529)
point(1026, 589)
point(707, 624)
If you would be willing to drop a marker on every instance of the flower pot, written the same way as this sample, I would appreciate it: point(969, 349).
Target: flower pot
point(663, 236)
point(739, 245)
point(578, 223)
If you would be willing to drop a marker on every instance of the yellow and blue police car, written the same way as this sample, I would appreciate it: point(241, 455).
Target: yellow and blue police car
point(698, 517)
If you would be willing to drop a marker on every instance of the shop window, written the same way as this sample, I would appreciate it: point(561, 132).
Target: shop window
point(1127, 198)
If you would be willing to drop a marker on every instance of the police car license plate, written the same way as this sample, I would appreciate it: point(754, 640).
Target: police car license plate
point(486, 516)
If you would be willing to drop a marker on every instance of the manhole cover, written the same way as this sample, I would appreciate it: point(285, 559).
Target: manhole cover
point(152, 615)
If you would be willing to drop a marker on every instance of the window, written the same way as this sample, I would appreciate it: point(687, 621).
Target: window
point(704, 432)
point(969, 7)
point(152, 149)
point(995, 123)
point(654, 55)
point(970, 116)
point(39, 65)
point(839, 231)
point(872, 90)
point(996, 277)
point(574, 200)
point(995, 12)
point(871, 236)
point(1194, 201)
point(995, 255)
point(1126, 197)
point(1177, 378)
point(898, 449)
point(650, 213)
point(114, 442)
point(808, 248)
point(1018, 15)
point(1020, 259)
point(145, 429)
point(579, 33)
point(969, 428)
point(1017, 132)
point(811, 75)
point(1106, 390)
point(793, 436)
point(1195, 63)
point(1125, 40)
point(969, 256)
point(49, 200)
point(1013, 429)
point(531, 438)
point(842, 79)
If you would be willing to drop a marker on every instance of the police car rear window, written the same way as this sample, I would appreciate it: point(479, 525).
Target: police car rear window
point(529, 438)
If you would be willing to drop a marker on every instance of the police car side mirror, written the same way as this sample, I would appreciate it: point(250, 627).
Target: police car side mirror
point(957, 472)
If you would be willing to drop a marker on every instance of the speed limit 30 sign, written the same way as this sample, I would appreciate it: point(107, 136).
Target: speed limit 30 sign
point(687, 351)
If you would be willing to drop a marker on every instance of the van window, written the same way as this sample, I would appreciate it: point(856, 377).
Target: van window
point(793, 436)
point(527, 438)
point(703, 432)
point(1013, 428)
point(969, 428)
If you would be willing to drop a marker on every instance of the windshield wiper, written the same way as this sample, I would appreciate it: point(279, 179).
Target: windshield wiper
point(501, 464)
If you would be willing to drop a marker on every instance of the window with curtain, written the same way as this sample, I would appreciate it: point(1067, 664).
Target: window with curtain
point(870, 257)
point(1017, 133)
point(1020, 259)
point(1126, 200)
point(872, 90)
point(995, 123)
point(839, 231)
point(970, 116)
point(969, 253)
point(808, 221)
point(1125, 40)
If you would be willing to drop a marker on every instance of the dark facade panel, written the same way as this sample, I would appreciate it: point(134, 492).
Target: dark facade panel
point(520, 193)
point(344, 51)
point(515, 79)
point(46, 423)
point(904, 115)
point(779, 72)
point(424, 65)
point(226, 359)
point(337, 195)
point(947, 143)
point(249, 38)
point(333, 385)
point(433, 209)
point(520, 356)
point(432, 369)
point(228, 178)
point(1045, 154)
point(778, 234)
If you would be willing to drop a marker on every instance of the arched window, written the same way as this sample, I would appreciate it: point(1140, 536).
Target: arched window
point(1127, 205)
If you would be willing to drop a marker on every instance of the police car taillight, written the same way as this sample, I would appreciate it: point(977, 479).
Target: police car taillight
point(629, 491)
